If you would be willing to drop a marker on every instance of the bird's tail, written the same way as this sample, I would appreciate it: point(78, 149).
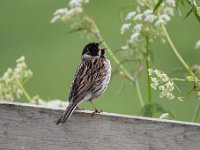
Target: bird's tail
point(66, 115)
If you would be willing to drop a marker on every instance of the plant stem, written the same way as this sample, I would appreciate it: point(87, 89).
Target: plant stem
point(177, 79)
point(24, 91)
point(147, 68)
point(120, 65)
point(179, 57)
point(137, 85)
point(176, 53)
point(148, 82)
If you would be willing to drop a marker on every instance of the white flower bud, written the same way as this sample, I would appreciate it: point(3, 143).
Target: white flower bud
point(125, 27)
point(130, 15)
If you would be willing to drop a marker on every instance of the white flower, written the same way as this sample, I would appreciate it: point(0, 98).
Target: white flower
point(130, 15)
point(77, 3)
point(181, 99)
point(157, 73)
point(125, 47)
point(74, 3)
point(161, 88)
point(170, 86)
point(197, 45)
point(125, 27)
point(21, 59)
point(190, 78)
point(19, 93)
point(60, 14)
point(154, 85)
point(148, 12)
point(150, 18)
point(169, 11)
point(134, 38)
point(165, 17)
point(150, 71)
point(159, 23)
point(164, 77)
point(55, 19)
point(60, 11)
point(163, 82)
point(171, 3)
point(138, 17)
point(76, 10)
point(28, 74)
point(137, 28)
point(7, 75)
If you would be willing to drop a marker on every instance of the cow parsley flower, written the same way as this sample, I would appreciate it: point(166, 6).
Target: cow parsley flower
point(130, 15)
point(134, 38)
point(65, 14)
point(125, 27)
point(163, 83)
point(11, 83)
point(145, 21)
point(79, 21)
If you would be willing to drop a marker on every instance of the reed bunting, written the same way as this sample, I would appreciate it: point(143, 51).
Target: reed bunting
point(90, 81)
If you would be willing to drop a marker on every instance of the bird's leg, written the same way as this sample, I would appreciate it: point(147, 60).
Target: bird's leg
point(96, 110)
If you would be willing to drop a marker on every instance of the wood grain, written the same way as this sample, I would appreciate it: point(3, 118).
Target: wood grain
point(31, 127)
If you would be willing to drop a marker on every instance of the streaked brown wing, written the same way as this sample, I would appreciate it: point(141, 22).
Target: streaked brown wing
point(87, 76)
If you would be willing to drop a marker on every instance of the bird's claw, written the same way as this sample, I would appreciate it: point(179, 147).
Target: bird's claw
point(96, 112)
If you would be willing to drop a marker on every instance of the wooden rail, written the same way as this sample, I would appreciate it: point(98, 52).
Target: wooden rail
point(32, 127)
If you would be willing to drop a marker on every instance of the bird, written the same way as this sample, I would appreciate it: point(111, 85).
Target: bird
point(90, 81)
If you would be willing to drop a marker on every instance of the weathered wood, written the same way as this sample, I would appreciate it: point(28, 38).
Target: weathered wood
point(31, 127)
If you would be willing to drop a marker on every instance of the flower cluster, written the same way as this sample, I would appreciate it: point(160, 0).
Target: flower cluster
point(145, 21)
point(66, 14)
point(74, 14)
point(161, 81)
point(11, 83)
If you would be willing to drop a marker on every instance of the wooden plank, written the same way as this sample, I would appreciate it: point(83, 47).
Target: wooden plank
point(31, 127)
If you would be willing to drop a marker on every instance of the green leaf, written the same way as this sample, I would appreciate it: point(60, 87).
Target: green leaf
point(182, 2)
point(196, 15)
point(189, 12)
point(75, 30)
point(150, 110)
point(157, 5)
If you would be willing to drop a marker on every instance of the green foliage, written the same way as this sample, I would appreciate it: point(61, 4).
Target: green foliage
point(155, 109)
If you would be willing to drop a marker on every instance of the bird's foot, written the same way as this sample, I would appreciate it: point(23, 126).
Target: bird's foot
point(96, 112)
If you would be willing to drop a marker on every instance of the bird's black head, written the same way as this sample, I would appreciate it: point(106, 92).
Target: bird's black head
point(92, 50)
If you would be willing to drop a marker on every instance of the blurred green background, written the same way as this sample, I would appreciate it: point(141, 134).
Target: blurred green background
point(53, 55)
